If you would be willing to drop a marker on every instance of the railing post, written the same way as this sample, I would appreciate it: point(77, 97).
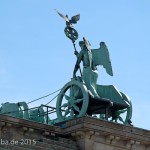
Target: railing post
point(47, 114)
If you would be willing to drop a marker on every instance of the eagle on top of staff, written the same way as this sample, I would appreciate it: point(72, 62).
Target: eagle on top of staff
point(70, 22)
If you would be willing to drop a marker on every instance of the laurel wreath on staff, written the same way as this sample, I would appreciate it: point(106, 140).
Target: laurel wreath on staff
point(69, 30)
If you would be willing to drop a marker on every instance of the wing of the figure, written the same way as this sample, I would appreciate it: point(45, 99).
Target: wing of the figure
point(101, 57)
point(75, 18)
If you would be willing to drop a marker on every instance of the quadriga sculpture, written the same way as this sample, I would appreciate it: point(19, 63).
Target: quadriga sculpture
point(19, 110)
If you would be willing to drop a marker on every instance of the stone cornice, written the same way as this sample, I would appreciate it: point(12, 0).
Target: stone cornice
point(84, 127)
point(27, 125)
point(106, 128)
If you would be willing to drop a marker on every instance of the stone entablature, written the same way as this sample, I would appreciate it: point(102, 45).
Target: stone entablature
point(89, 133)
point(20, 134)
point(25, 126)
point(95, 134)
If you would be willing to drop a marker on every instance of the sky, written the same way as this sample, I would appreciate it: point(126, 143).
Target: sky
point(36, 58)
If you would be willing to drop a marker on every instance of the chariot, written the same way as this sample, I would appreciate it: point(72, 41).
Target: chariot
point(74, 101)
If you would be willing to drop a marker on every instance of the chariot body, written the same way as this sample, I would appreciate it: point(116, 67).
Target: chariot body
point(75, 101)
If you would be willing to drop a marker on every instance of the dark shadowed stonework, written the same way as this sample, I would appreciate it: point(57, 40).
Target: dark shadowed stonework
point(84, 133)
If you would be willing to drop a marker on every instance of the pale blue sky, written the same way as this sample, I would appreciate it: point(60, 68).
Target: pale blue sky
point(36, 58)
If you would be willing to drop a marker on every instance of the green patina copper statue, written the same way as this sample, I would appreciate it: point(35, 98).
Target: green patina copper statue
point(82, 95)
point(92, 58)
point(38, 114)
point(90, 73)
point(70, 32)
point(21, 110)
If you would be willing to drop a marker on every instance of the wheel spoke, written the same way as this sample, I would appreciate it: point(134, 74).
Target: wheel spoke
point(64, 105)
point(72, 113)
point(71, 91)
point(66, 112)
point(76, 93)
point(79, 100)
point(76, 108)
point(67, 97)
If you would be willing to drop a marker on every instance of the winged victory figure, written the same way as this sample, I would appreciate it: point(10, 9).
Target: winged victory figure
point(91, 58)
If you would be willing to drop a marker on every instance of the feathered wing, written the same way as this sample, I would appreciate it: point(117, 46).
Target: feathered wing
point(63, 16)
point(75, 18)
point(101, 57)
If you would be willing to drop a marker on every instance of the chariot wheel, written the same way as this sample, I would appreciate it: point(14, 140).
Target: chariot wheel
point(72, 101)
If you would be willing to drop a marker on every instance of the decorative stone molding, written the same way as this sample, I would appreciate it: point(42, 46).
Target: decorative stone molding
point(131, 144)
point(8, 124)
point(52, 134)
point(2, 123)
point(3, 127)
point(96, 133)
point(81, 134)
point(31, 130)
point(89, 134)
point(24, 128)
point(111, 139)
point(46, 133)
